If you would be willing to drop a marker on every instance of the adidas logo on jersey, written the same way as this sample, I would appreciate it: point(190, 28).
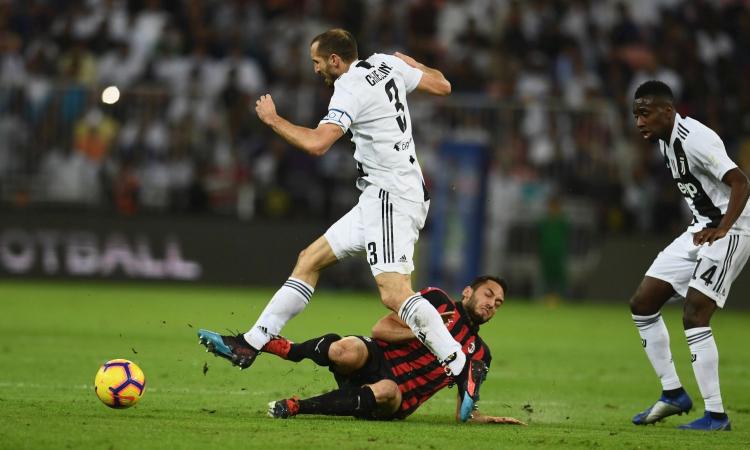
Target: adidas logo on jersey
point(402, 258)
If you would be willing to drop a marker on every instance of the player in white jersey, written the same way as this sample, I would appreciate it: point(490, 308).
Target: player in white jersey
point(369, 101)
point(699, 265)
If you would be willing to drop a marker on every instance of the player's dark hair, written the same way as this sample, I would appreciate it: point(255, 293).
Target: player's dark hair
point(655, 88)
point(480, 280)
point(337, 41)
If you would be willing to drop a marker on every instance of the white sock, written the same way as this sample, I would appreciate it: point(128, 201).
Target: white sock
point(655, 340)
point(286, 303)
point(705, 357)
point(427, 325)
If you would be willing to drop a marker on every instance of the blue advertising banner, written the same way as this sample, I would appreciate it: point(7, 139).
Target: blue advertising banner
point(457, 215)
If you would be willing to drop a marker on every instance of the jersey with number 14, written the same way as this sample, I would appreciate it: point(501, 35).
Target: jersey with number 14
point(369, 100)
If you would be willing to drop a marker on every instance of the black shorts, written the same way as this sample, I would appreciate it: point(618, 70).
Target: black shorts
point(375, 369)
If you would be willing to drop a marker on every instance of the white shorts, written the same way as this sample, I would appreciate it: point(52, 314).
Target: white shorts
point(382, 226)
point(708, 269)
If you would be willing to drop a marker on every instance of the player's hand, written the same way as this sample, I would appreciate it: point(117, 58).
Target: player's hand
point(447, 317)
point(266, 109)
point(407, 59)
point(708, 235)
point(498, 420)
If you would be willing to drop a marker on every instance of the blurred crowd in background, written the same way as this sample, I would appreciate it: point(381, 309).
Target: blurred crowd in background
point(545, 85)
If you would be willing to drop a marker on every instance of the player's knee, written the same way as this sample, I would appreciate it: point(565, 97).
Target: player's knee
point(394, 289)
point(640, 305)
point(698, 310)
point(388, 393)
point(387, 396)
point(391, 301)
point(337, 352)
point(393, 298)
point(694, 317)
point(303, 258)
point(635, 304)
point(306, 262)
point(347, 353)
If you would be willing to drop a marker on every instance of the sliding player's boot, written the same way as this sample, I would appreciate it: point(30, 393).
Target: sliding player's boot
point(284, 409)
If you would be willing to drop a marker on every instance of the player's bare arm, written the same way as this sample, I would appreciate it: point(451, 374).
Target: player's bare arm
point(478, 417)
point(314, 141)
point(433, 81)
point(393, 330)
point(740, 191)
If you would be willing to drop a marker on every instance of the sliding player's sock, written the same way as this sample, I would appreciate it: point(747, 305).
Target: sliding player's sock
point(315, 349)
point(705, 357)
point(655, 341)
point(286, 303)
point(358, 401)
point(427, 325)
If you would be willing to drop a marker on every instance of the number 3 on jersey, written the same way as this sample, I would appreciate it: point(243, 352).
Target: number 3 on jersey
point(392, 91)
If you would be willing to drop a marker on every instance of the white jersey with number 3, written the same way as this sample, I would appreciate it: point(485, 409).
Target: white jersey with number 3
point(369, 100)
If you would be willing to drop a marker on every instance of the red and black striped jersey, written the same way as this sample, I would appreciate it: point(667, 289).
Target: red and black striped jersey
point(416, 370)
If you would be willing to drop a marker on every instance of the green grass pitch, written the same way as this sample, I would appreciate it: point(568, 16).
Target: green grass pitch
point(576, 373)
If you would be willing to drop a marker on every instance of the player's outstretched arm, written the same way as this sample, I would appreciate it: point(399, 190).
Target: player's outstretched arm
point(392, 329)
point(433, 81)
point(740, 191)
point(315, 141)
point(478, 417)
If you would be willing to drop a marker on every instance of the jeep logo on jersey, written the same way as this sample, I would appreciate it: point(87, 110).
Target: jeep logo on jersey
point(403, 145)
point(687, 189)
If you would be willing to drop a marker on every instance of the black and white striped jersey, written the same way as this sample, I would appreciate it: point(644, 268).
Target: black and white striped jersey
point(696, 156)
point(369, 101)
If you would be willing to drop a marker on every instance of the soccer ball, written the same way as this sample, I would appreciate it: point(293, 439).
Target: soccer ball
point(119, 383)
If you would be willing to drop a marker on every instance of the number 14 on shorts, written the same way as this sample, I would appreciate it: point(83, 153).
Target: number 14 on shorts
point(707, 275)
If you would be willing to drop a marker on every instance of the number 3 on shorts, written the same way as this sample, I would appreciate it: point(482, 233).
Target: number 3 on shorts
point(373, 256)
